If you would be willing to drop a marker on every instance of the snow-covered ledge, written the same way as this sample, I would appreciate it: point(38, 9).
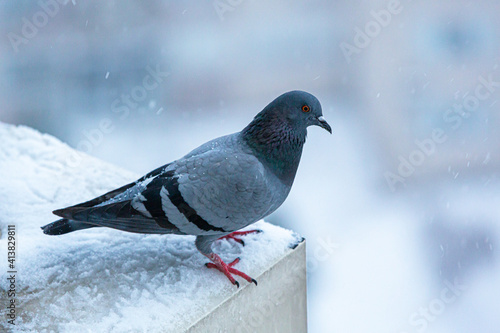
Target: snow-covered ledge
point(102, 280)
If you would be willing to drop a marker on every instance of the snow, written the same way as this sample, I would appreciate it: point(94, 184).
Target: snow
point(103, 279)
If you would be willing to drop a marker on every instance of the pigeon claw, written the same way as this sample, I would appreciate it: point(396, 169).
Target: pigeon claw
point(235, 235)
point(227, 269)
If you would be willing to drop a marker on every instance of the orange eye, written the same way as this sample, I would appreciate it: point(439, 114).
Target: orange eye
point(306, 108)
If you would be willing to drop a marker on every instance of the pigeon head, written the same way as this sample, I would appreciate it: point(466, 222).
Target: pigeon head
point(278, 133)
point(288, 117)
point(300, 109)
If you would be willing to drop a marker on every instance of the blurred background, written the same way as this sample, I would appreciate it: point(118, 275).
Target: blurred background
point(400, 206)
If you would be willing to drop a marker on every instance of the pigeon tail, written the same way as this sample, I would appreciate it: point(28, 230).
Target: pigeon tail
point(64, 226)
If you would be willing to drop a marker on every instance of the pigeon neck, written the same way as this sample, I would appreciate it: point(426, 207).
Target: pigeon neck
point(276, 144)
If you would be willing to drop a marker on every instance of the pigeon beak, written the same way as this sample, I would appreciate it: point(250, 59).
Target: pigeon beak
point(323, 124)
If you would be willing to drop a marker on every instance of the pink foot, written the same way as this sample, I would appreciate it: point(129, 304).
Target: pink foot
point(227, 269)
point(234, 235)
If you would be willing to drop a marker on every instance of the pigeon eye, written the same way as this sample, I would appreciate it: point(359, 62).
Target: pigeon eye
point(306, 108)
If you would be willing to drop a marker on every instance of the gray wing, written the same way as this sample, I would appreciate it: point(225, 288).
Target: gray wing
point(219, 188)
point(216, 189)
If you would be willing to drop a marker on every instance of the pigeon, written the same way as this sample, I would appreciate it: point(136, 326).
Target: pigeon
point(218, 188)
